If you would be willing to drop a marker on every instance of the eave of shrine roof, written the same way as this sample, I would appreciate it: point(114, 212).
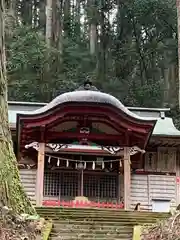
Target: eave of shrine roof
point(41, 104)
point(87, 96)
point(142, 112)
point(163, 127)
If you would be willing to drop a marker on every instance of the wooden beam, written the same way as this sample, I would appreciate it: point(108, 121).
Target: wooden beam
point(170, 140)
point(120, 138)
point(127, 178)
point(40, 174)
point(76, 135)
point(59, 121)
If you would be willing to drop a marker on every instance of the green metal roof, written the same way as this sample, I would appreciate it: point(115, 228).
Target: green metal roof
point(12, 116)
point(165, 127)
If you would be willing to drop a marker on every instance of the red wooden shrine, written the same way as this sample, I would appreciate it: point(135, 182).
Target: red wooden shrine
point(83, 115)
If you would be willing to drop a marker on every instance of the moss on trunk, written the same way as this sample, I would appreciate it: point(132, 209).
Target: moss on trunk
point(11, 191)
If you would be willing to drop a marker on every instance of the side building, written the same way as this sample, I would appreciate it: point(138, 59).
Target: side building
point(87, 143)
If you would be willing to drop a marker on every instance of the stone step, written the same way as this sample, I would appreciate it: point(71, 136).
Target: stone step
point(101, 223)
point(91, 236)
point(95, 210)
point(101, 219)
point(82, 232)
point(90, 227)
point(125, 214)
point(55, 215)
point(100, 211)
point(100, 214)
point(63, 216)
point(87, 234)
point(74, 229)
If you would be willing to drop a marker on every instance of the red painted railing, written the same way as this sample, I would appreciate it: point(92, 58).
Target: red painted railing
point(81, 204)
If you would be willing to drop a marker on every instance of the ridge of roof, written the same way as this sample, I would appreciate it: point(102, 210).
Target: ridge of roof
point(149, 109)
point(26, 103)
point(130, 108)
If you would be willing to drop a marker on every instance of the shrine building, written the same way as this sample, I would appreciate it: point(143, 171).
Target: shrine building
point(87, 143)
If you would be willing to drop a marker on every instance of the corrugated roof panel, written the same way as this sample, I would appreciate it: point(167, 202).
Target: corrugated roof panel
point(12, 115)
point(165, 127)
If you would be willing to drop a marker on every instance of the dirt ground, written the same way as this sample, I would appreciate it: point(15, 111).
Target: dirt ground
point(163, 230)
point(19, 227)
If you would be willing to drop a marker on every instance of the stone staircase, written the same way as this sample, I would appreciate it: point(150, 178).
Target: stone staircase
point(99, 224)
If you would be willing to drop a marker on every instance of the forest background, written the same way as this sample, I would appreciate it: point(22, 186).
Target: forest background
point(127, 48)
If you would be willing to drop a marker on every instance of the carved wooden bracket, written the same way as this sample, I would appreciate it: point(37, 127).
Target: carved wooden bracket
point(114, 150)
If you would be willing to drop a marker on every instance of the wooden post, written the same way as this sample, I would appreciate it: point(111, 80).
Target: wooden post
point(119, 195)
point(127, 178)
point(82, 183)
point(40, 175)
point(119, 187)
point(177, 178)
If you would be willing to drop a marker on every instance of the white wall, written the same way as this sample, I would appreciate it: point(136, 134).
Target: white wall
point(28, 178)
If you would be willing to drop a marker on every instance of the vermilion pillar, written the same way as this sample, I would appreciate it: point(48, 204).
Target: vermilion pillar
point(40, 174)
point(127, 178)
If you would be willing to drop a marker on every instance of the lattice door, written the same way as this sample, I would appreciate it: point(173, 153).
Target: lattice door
point(63, 185)
point(101, 187)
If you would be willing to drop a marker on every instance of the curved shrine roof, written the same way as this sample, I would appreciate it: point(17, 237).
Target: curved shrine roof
point(163, 127)
point(92, 95)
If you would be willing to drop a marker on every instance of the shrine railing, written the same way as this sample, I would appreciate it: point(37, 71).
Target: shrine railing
point(82, 204)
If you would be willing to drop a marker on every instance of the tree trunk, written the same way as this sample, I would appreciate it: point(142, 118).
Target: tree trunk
point(170, 86)
point(42, 16)
point(57, 28)
point(35, 14)
point(93, 37)
point(77, 20)
point(11, 191)
point(26, 12)
point(11, 6)
point(49, 22)
point(103, 41)
point(46, 73)
point(178, 30)
point(67, 19)
point(92, 26)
